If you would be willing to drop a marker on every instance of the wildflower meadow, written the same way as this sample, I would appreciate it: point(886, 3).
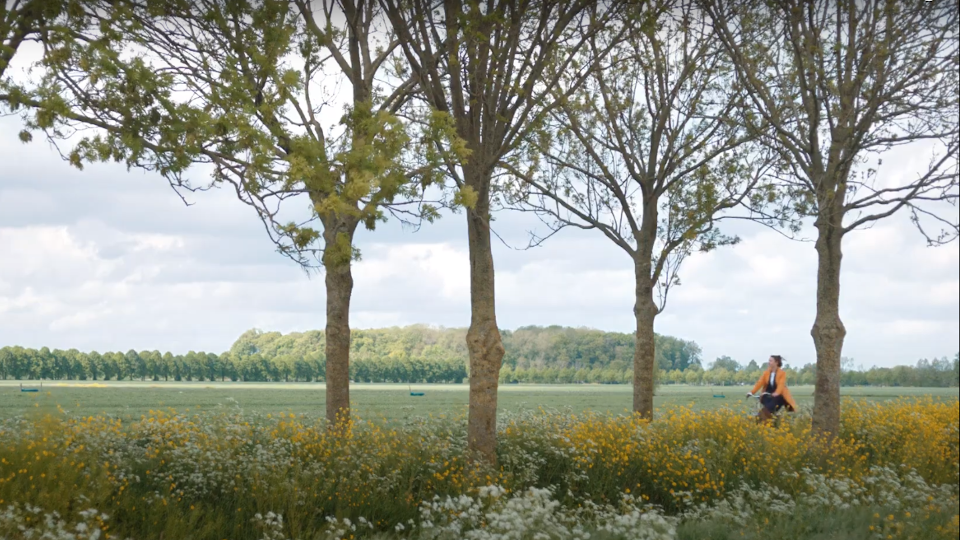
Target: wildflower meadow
point(892, 473)
point(758, 150)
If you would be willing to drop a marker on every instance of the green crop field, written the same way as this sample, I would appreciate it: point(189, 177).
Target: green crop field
point(374, 401)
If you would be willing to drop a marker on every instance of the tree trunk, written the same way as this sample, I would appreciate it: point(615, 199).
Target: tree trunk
point(483, 337)
point(338, 251)
point(338, 237)
point(828, 331)
point(644, 356)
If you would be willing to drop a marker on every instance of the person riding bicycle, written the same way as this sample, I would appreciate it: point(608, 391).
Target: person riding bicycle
point(776, 395)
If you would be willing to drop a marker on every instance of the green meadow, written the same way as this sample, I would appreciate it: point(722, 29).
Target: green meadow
point(389, 401)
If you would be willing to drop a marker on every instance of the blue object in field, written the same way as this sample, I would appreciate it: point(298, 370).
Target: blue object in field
point(719, 396)
point(29, 390)
point(416, 393)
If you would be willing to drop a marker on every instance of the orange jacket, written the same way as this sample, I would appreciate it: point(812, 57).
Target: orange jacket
point(782, 389)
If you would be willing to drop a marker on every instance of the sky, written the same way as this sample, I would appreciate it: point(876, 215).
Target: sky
point(106, 259)
point(109, 259)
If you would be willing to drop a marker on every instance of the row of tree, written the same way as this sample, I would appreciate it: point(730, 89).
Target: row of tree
point(936, 373)
point(428, 355)
point(649, 122)
point(411, 354)
point(30, 364)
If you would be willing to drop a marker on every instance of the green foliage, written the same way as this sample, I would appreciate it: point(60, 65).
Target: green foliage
point(465, 197)
point(956, 369)
point(549, 355)
point(725, 362)
point(340, 251)
point(411, 354)
point(533, 354)
point(169, 85)
point(28, 20)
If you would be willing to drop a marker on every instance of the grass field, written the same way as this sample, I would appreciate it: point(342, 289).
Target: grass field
point(372, 401)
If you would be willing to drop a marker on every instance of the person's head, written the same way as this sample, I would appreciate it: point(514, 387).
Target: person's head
point(776, 362)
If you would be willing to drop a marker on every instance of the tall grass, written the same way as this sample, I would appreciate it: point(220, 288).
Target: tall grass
point(229, 474)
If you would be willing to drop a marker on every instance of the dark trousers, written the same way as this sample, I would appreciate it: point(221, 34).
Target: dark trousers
point(773, 403)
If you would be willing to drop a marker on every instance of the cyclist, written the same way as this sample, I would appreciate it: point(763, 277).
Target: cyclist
point(776, 395)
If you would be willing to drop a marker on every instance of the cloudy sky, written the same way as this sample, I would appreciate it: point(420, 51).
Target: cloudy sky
point(106, 259)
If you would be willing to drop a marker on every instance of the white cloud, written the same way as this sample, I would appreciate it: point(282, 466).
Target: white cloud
point(444, 267)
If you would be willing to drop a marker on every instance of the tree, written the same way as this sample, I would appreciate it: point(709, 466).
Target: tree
point(956, 370)
point(108, 366)
point(167, 366)
point(833, 85)
point(78, 362)
point(191, 367)
point(149, 365)
point(7, 360)
point(483, 67)
point(285, 366)
point(674, 353)
point(58, 364)
point(211, 366)
point(847, 364)
point(725, 362)
point(649, 152)
point(23, 21)
point(245, 88)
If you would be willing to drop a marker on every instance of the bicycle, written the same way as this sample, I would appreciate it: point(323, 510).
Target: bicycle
point(764, 415)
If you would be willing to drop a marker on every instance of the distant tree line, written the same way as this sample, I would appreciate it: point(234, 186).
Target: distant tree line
point(936, 373)
point(420, 354)
point(411, 354)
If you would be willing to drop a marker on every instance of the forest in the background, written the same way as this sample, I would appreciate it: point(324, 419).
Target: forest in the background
point(422, 354)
